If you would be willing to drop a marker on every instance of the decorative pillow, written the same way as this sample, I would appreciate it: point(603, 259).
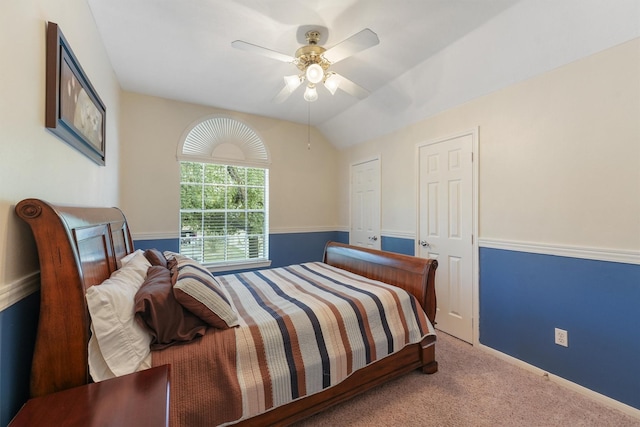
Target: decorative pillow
point(117, 339)
point(170, 255)
point(158, 311)
point(155, 257)
point(172, 265)
point(200, 293)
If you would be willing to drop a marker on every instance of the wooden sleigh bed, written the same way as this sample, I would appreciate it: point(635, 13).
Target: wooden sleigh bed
point(80, 247)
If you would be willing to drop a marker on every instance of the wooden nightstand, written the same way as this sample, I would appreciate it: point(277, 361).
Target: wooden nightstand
point(138, 399)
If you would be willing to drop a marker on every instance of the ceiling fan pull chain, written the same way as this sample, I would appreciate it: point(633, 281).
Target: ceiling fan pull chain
point(309, 126)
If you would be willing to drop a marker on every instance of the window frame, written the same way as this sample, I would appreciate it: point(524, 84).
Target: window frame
point(227, 141)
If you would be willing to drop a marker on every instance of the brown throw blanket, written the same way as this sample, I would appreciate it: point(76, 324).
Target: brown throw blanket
point(203, 372)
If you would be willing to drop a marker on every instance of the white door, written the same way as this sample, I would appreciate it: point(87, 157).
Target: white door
point(445, 228)
point(365, 204)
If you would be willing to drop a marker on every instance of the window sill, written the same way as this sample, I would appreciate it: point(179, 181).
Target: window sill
point(239, 265)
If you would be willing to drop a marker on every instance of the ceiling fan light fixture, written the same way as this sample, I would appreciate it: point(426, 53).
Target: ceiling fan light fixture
point(292, 82)
point(314, 73)
point(331, 82)
point(310, 93)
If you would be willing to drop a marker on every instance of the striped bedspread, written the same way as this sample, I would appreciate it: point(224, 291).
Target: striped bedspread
point(303, 328)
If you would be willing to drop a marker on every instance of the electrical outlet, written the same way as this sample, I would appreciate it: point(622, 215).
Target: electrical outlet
point(562, 337)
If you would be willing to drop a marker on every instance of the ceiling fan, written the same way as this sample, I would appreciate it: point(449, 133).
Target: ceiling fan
point(314, 62)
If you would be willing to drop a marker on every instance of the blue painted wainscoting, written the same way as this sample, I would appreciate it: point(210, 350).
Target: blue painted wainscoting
point(398, 245)
point(284, 249)
point(172, 245)
point(18, 325)
point(294, 248)
point(524, 296)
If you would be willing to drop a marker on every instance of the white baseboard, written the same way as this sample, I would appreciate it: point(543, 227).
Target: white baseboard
point(600, 398)
point(11, 293)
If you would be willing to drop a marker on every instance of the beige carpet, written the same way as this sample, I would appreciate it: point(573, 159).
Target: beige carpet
point(471, 388)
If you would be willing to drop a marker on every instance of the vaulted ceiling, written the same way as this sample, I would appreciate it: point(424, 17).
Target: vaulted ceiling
point(432, 55)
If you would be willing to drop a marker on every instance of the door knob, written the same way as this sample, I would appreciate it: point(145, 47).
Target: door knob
point(374, 238)
point(425, 244)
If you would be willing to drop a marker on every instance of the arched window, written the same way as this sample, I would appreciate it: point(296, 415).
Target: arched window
point(224, 194)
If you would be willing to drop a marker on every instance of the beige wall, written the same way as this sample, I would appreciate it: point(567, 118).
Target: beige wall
point(33, 162)
point(559, 157)
point(559, 153)
point(303, 182)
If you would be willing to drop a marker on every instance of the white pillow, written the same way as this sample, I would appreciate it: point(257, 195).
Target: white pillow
point(98, 367)
point(133, 255)
point(118, 344)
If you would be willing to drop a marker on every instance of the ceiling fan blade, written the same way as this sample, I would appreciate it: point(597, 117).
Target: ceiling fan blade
point(282, 96)
point(291, 83)
point(248, 47)
point(354, 44)
point(351, 88)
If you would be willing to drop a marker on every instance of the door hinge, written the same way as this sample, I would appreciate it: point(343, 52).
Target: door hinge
point(472, 239)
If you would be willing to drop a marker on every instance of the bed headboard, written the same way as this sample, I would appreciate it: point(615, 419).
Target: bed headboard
point(414, 275)
point(77, 248)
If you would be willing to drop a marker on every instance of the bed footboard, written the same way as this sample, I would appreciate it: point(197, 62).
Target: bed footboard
point(413, 274)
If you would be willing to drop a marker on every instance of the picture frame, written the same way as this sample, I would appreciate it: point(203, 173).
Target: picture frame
point(74, 112)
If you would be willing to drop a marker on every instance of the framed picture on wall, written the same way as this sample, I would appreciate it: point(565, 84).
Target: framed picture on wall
point(74, 111)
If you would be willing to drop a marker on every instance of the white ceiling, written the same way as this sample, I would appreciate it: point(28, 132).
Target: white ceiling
point(182, 50)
